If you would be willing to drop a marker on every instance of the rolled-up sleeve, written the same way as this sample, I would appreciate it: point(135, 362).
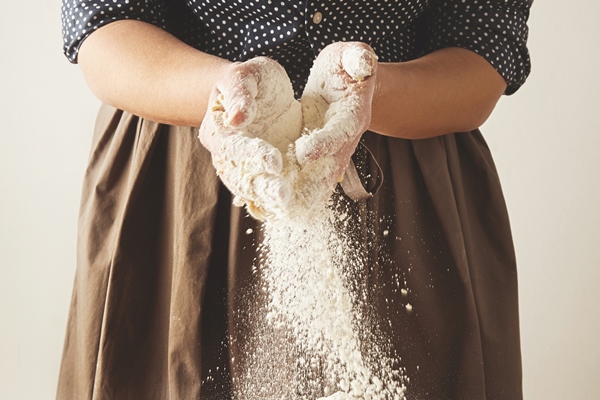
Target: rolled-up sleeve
point(80, 18)
point(495, 29)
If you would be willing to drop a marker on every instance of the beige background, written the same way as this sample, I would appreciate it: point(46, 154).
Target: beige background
point(546, 140)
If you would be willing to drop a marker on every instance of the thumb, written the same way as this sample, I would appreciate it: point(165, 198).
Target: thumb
point(238, 90)
point(359, 61)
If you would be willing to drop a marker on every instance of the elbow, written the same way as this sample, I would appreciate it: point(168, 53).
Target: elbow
point(96, 86)
point(107, 62)
point(483, 110)
point(476, 118)
point(96, 76)
point(476, 111)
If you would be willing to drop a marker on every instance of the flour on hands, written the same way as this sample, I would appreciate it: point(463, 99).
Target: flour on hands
point(280, 156)
point(252, 119)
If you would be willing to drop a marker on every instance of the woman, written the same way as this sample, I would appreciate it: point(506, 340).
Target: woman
point(161, 247)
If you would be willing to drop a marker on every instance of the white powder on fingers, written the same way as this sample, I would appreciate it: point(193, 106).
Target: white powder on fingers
point(328, 107)
point(272, 135)
point(358, 62)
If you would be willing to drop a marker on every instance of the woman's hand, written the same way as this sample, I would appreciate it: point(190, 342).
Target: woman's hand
point(336, 103)
point(245, 105)
point(253, 118)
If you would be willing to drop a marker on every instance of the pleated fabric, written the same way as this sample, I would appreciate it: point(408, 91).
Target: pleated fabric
point(163, 259)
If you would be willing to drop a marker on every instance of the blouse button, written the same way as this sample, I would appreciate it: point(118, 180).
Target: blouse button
point(317, 17)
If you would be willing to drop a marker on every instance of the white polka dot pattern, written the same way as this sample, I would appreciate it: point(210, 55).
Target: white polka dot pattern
point(80, 18)
point(293, 32)
point(494, 29)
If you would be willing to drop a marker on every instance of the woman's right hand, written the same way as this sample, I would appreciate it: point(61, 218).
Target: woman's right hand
point(338, 95)
point(241, 106)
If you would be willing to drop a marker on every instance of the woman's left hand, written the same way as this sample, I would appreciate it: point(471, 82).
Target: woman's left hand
point(243, 107)
point(336, 103)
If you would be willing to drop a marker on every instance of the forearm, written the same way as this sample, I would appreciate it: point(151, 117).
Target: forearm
point(142, 69)
point(450, 90)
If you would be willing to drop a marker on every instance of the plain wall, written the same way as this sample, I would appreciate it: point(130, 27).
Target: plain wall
point(545, 138)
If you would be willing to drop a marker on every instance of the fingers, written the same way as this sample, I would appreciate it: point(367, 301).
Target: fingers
point(326, 141)
point(262, 194)
point(222, 133)
point(341, 64)
point(359, 61)
point(260, 189)
point(343, 123)
point(250, 168)
point(244, 105)
point(241, 151)
point(238, 90)
point(337, 100)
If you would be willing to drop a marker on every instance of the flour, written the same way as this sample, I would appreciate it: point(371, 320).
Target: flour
point(278, 122)
point(312, 272)
point(328, 108)
point(315, 338)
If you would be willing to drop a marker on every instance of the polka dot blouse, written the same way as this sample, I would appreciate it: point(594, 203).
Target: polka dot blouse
point(293, 32)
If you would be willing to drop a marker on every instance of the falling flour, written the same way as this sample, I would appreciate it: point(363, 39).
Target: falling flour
point(315, 338)
point(311, 272)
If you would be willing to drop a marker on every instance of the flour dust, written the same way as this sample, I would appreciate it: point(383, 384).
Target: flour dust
point(316, 337)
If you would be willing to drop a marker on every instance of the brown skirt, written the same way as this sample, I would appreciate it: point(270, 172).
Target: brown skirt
point(162, 257)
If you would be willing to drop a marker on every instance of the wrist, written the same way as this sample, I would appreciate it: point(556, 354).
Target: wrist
point(381, 96)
